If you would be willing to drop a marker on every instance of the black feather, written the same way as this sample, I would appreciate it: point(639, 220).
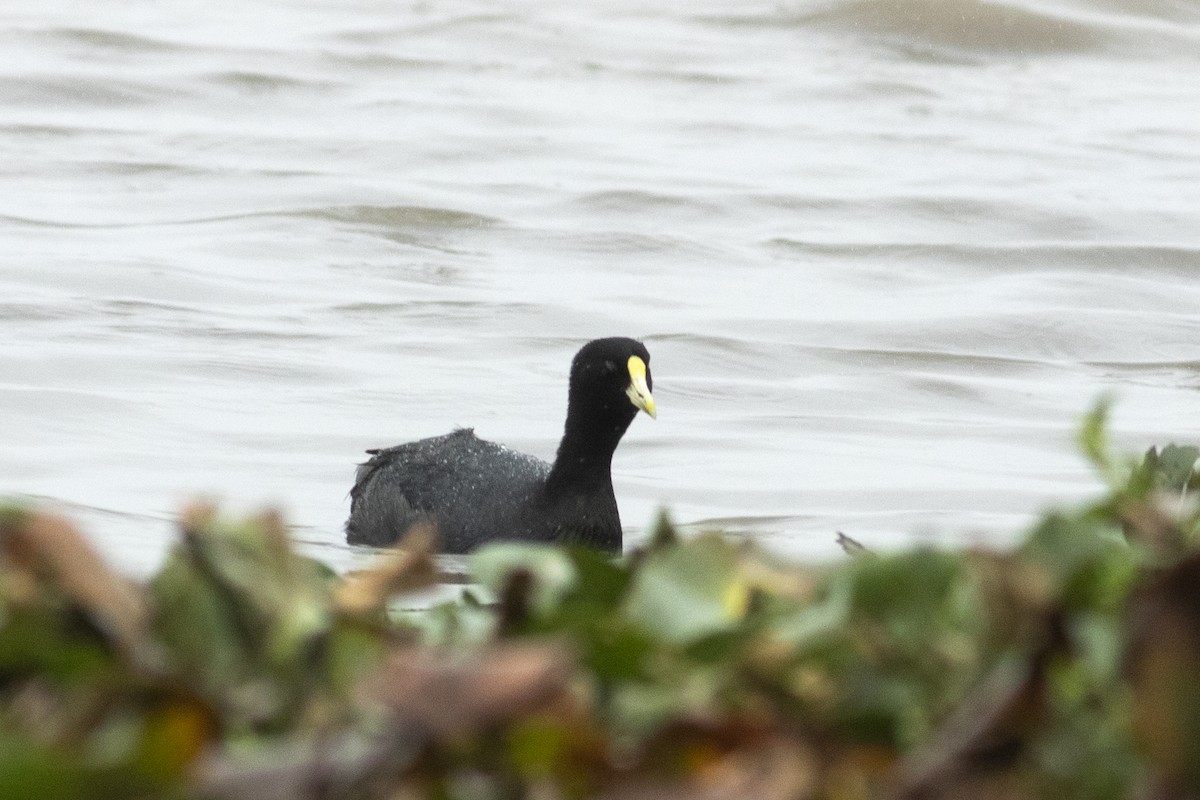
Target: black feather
point(475, 491)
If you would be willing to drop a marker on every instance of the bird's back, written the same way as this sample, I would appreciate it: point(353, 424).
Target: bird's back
point(473, 490)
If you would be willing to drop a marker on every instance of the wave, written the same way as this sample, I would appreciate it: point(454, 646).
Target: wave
point(971, 25)
point(946, 27)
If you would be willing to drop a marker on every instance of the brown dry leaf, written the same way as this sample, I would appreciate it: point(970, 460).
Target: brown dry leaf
point(339, 767)
point(410, 566)
point(859, 771)
point(789, 582)
point(51, 548)
point(994, 785)
point(1162, 662)
point(1148, 522)
point(196, 516)
point(275, 535)
point(448, 695)
point(775, 768)
point(176, 731)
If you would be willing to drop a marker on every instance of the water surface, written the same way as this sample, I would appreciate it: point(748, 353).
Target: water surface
point(884, 253)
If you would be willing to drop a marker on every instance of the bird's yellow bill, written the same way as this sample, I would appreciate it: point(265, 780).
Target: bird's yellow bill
point(638, 391)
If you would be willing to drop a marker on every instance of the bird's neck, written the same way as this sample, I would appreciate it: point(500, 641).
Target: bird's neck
point(584, 459)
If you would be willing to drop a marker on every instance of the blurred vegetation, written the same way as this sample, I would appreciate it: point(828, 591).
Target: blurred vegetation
point(1068, 667)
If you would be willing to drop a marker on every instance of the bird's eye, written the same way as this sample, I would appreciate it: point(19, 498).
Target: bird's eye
point(610, 366)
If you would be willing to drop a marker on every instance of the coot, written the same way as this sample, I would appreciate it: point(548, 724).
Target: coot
point(475, 491)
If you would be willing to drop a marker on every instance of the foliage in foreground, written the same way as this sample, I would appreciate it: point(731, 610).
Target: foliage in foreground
point(1067, 668)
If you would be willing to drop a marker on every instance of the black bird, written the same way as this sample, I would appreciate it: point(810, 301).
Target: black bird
point(475, 491)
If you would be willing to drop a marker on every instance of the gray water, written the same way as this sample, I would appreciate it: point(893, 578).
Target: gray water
point(884, 252)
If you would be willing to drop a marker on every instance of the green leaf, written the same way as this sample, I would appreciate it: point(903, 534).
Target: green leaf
point(30, 771)
point(1173, 468)
point(687, 592)
point(551, 567)
point(600, 582)
point(916, 581)
point(614, 651)
point(817, 623)
point(42, 642)
point(1093, 435)
point(1089, 560)
point(663, 533)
